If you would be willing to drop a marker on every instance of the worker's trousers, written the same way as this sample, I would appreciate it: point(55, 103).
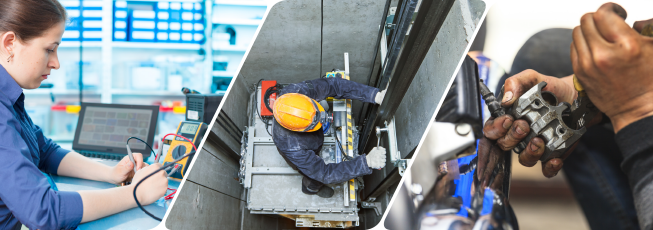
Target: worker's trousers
point(312, 186)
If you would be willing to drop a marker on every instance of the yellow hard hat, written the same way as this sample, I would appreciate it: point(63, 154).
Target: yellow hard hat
point(298, 112)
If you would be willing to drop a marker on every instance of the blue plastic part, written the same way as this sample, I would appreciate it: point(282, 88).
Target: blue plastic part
point(327, 126)
point(464, 185)
point(488, 202)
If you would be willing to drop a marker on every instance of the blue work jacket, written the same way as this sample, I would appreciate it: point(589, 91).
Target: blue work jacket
point(300, 148)
point(25, 195)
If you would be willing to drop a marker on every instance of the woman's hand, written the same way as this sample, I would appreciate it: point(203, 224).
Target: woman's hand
point(124, 170)
point(154, 187)
point(101, 203)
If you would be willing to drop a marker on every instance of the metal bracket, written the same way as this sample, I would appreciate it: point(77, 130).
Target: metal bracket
point(395, 155)
point(375, 205)
point(401, 165)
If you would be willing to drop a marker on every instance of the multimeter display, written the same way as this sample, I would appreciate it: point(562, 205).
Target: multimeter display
point(189, 128)
point(180, 146)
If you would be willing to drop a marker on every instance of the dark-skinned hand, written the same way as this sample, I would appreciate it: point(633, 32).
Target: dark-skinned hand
point(508, 132)
point(613, 63)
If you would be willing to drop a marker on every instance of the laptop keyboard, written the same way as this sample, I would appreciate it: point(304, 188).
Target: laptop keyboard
point(102, 155)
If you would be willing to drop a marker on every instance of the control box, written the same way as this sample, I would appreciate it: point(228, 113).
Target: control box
point(265, 85)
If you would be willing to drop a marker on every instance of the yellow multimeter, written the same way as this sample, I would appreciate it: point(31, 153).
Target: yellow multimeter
point(179, 147)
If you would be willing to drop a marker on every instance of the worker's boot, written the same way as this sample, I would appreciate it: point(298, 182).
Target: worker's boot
point(322, 191)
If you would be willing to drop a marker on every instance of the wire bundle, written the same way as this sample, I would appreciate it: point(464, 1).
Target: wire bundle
point(159, 170)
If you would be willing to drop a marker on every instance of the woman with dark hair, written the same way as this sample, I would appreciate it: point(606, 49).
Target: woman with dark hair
point(30, 33)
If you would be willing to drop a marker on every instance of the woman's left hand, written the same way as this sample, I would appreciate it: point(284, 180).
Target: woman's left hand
point(124, 170)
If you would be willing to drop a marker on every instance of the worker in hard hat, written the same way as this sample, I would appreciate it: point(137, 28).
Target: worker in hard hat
point(298, 132)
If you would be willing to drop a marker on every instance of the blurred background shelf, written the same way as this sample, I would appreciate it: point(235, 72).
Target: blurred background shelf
point(244, 22)
point(118, 92)
point(223, 74)
point(43, 91)
point(76, 44)
point(241, 2)
point(154, 45)
point(230, 48)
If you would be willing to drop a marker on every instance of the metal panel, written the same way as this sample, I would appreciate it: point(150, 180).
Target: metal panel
point(284, 191)
point(268, 160)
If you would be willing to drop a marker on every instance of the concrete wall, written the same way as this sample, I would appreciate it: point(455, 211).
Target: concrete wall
point(428, 87)
point(303, 39)
point(433, 76)
point(235, 106)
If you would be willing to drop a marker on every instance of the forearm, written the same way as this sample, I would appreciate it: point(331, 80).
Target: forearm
point(343, 89)
point(76, 165)
point(101, 203)
point(636, 146)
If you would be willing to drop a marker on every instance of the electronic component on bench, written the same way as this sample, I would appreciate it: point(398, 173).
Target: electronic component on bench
point(202, 107)
point(194, 131)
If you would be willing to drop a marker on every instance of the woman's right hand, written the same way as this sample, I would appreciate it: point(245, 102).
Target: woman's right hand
point(154, 187)
point(508, 132)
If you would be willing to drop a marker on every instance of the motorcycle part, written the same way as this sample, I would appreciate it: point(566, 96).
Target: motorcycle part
point(547, 120)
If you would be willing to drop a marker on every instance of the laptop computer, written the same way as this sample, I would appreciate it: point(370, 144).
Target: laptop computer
point(103, 129)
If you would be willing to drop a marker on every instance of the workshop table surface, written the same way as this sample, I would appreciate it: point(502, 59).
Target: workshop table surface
point(133, 218)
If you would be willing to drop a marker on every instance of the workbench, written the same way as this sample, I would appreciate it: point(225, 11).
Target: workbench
point(133, 218)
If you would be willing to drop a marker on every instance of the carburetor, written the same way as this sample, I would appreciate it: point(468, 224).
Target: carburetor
point(548, 119)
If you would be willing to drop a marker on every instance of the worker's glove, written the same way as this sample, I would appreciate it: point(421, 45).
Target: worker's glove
point(376, 158)
point(379, 97)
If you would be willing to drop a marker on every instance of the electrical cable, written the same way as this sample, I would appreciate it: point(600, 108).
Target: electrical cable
point(156, 157)
point(272, 90)
point(151, 149)
point(159, 170)
point(328, 125)
point(172, 195)
point(344, 155)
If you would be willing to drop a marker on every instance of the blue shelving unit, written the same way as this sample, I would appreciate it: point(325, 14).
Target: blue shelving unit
point(234, 25)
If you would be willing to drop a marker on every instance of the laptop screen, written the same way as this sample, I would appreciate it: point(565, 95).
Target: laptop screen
point(106, 127)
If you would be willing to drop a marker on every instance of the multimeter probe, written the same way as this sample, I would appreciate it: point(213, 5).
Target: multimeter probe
point(164, 167)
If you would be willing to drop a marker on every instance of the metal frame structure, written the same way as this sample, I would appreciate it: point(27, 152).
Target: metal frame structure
point(407, 48)
point(405, 57)
point(260, 159)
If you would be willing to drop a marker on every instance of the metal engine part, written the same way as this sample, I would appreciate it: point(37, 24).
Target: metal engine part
point(547, 120)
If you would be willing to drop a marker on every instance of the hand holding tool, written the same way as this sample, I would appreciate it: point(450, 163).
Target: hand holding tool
point(376, 158)
point(131, 156)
